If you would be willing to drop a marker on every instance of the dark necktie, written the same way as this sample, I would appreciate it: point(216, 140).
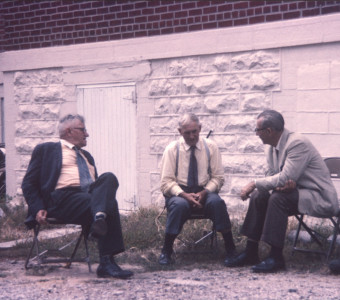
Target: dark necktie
point(84, 173)
point(193, 173)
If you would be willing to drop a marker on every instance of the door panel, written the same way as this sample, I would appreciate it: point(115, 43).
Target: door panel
point(110, 116)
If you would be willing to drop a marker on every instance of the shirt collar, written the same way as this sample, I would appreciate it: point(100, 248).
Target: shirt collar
point(66, 143)
point(278, 146)
point(187, 147)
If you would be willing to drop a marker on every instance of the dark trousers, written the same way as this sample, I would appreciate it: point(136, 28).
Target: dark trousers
point(179, 211)
point(75, 206)
point(267, 216)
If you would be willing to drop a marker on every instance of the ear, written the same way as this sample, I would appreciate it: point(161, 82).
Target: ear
point(270, 130)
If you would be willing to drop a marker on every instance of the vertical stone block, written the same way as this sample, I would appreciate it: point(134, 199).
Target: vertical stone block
point(187, 105)
point(306, 122)
point(318, 100)
point(221, 103)
point(183, 66)
point(313, 76)
point(255, 60)
point(249, 144)
point(215, 63)
point(264, 81)
point(227, 143)
point(167, 124)
point(201, 85)
point(255, 102)
point(162, 87)
point(334, 122)
point(236, 123)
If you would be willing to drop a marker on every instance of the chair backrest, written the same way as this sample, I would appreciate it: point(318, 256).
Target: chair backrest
point(333, 164)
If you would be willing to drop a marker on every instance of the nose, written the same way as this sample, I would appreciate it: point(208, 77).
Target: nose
point(192, 135)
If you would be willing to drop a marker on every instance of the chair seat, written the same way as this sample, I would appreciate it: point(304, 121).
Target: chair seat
point(198, 214)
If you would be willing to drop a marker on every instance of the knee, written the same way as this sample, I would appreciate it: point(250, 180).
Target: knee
point(276, 200)
point(259, 200)
point(110, 177)
point(178, 204)
point(214, 200)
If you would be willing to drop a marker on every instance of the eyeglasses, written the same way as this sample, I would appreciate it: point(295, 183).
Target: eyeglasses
point(83, 129)
point(259, 129)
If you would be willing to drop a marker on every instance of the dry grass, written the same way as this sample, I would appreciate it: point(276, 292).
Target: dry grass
point(143, 232)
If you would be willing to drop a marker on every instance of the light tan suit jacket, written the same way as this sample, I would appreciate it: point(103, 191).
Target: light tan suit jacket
point(300, 161)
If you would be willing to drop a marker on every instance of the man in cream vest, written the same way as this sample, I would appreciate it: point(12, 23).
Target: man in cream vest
point(297, 181)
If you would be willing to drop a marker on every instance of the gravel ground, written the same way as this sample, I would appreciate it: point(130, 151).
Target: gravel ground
point(200, 282)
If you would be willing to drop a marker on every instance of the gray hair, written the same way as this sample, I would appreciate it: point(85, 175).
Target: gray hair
point(272, 119)
point(187, 118)
point(66, 121)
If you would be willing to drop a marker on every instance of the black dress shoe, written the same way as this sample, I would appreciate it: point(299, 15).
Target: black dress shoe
point(106, 269)
point(98, 228)
point(165, 259)
point(269, 265)
point(241, 260)
point(334, 266)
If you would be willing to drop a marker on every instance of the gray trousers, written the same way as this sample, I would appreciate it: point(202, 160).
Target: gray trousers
point(179, 211)
point(267, 216)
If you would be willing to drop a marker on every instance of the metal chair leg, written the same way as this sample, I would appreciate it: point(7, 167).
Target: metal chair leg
point(335, 235)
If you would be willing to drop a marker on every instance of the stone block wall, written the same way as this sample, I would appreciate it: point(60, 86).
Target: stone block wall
point(38, 96)
point(226, 91)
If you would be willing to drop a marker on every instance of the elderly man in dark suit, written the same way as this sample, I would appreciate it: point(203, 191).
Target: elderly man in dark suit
point(297, 181)
point(62, 182)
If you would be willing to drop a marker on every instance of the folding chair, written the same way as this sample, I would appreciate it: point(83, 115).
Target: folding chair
point(43, 258)
point(197, 215)
point(212, 234)
point(333, 164)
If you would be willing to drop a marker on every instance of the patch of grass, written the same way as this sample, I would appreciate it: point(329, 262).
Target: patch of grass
point(143, 232)
point(12, 226)
point(141, 229)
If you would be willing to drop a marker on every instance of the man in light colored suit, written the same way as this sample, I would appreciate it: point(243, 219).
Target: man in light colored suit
point(297, 181)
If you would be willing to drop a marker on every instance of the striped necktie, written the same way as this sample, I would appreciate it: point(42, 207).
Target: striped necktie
point(84, 173)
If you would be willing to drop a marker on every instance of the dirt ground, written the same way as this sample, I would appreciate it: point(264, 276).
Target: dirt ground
point(212, 281)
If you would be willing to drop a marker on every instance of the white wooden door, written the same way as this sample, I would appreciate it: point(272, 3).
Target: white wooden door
point(110, 119)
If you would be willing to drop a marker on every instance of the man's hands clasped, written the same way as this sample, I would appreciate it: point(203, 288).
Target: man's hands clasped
point(195, 199)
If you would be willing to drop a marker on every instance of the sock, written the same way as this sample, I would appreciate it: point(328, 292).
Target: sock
point(105, 259)
point(276, 252)
point(100, 215)
point(168, 243)
point(228, 241)
point(252, 248)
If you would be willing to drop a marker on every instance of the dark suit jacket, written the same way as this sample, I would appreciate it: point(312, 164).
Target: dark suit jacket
point(42, 176)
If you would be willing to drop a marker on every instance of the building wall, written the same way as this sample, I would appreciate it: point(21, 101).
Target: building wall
point(36, 24)
point(291, 66)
